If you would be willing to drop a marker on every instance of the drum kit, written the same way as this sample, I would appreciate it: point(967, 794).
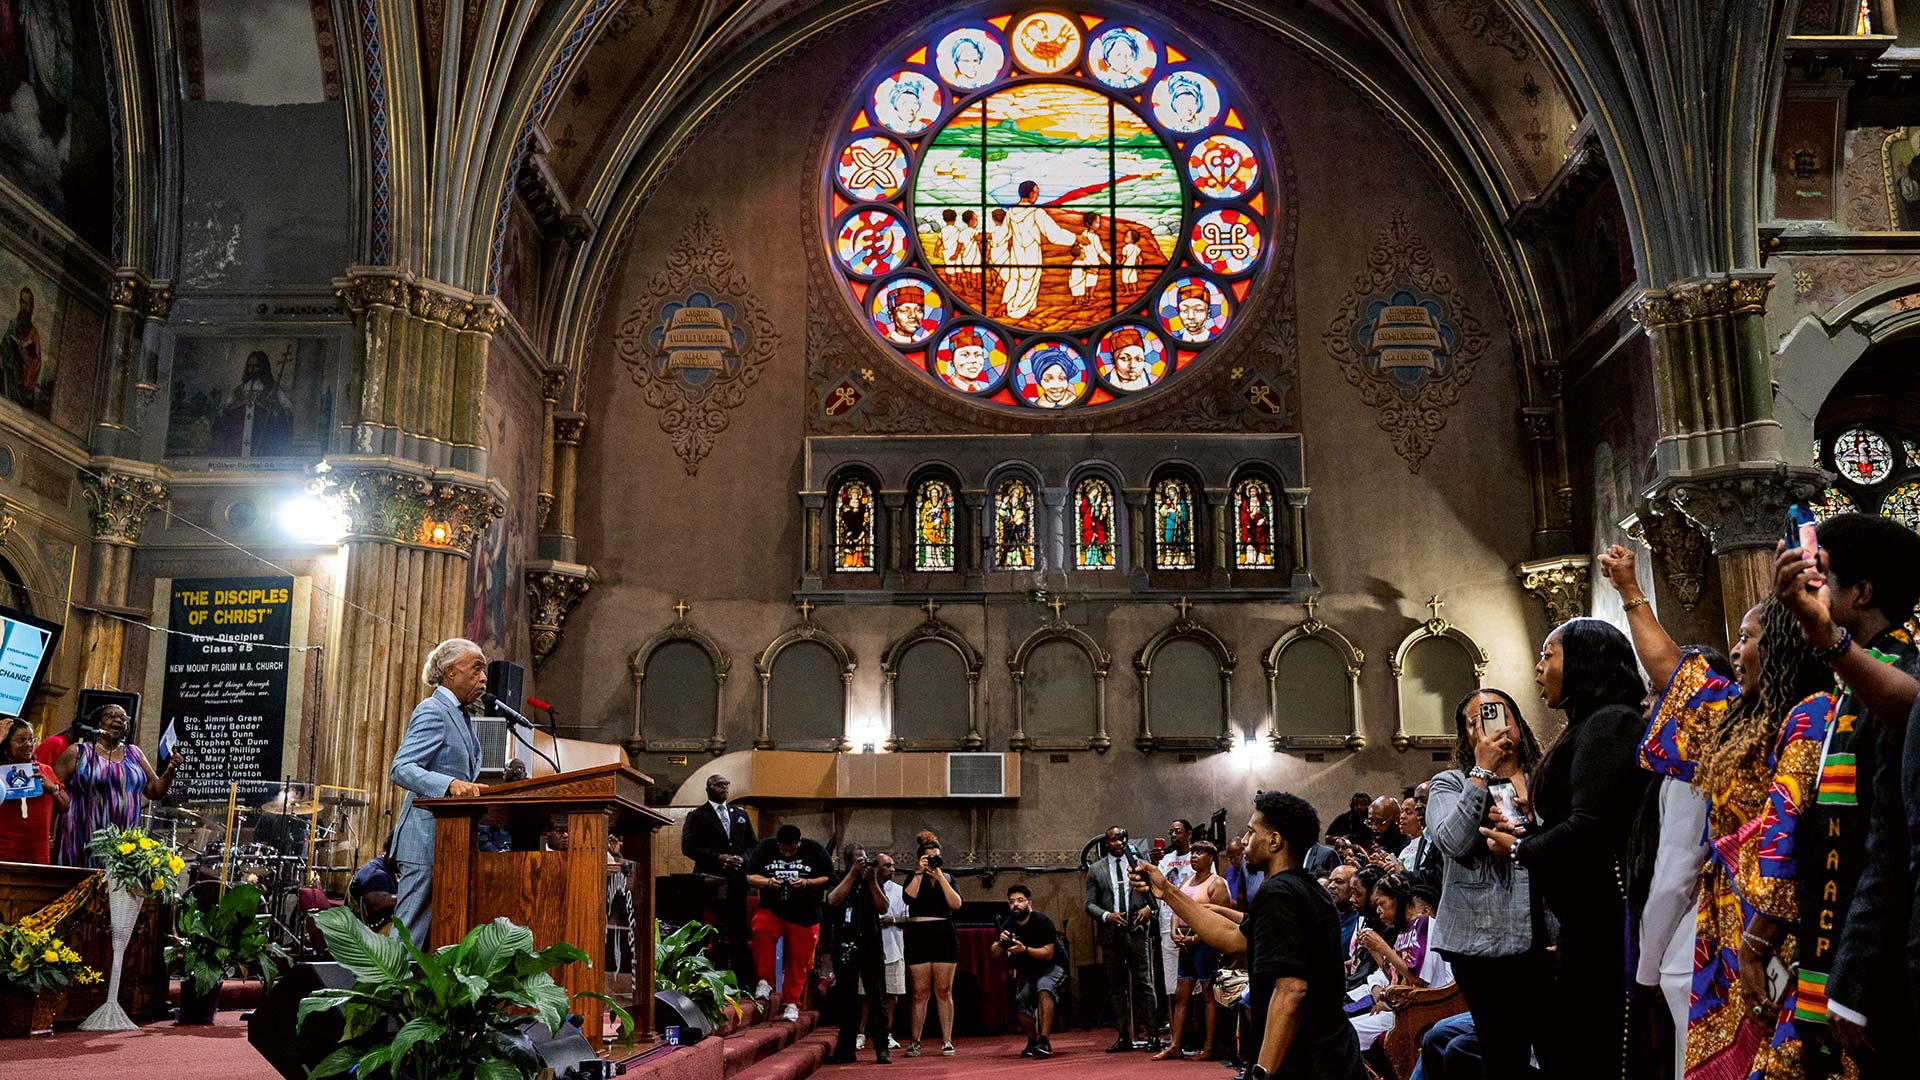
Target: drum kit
point(280, 845)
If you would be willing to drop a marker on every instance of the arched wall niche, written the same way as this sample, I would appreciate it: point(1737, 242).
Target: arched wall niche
point(1313, 670)
point(1433, 668)
point(1186, 682)
point(806, 683)
point(931, 680)
point(679, 678)
point(1058, 667)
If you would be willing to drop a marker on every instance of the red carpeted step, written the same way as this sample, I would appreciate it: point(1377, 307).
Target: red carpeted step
point(753, 1044)
point(796, 1062)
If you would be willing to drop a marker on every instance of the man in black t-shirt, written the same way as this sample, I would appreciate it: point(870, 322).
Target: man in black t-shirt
point(1291, 935)
point(852, 923)
point(1353, 824)
point(1027, 940)
point(790, 873)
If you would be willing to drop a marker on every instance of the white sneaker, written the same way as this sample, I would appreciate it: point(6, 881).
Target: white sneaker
point(859, 1042)
point(791, 1012)
point(762, 992)
point(893, 1043)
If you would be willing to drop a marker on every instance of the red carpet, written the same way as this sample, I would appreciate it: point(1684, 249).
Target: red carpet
point(159, 1049)
point(1075, 1053)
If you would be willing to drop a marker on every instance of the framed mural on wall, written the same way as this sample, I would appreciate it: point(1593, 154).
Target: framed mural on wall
point(31, 306)
point(55, 143)
point(250, 397)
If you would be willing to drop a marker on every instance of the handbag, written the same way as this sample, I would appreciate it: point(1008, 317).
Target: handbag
point(1229, 985)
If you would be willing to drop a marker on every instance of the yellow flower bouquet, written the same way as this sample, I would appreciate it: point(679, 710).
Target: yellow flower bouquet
point(136, 861)
point(36, 960)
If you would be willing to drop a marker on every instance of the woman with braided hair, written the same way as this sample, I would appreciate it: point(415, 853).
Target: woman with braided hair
point(1740, 742)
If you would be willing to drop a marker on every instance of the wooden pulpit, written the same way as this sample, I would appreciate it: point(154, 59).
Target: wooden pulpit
point(559, 895)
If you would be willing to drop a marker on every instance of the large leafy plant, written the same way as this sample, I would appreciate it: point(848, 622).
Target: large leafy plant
point(455, 1013)
point(229, 936)
point(36, 960)
point(136, 862)
point(681, 963)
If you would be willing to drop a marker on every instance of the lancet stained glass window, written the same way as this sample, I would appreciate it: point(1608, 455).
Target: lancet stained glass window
point(1902, 504)
point(1085, 199)
point(1013, 525)
point(933, 533)
point(1173, 546)
point(1253, 524)
point(1093, 525)
point(853, 527)
point(1833, 502)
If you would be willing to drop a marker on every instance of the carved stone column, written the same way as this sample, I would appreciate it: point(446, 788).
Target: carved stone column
point(1297, 536)
point(557, 540)
point(1562, 583)
point(551, 386)
point(1714, 393)
point(411, 532)
point(553, 590)
point(1743, 511)
point(119, 494)
point(1679, 549)
point(133, 302)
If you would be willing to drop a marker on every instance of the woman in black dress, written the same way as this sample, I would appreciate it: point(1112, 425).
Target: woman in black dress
point(1585, 791)
point(933, 948)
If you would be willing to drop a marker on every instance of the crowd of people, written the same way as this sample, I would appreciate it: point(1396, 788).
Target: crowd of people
point(89, 776)
point(1707, 871)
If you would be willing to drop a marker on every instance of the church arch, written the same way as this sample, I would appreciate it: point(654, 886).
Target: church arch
point(1015, 534)
point(679, 684)
point(935, 536)
point(931, 678)
point(806, 678)
point(1313, 671)
point(1186, 680)
point(1095, 524)
point(1434, 666)
point(1063, 671)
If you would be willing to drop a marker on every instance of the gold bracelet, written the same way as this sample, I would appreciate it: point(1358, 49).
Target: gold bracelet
point(1637, 601)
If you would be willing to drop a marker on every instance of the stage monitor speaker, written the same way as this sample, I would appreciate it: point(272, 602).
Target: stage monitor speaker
point(671, 1007)
point(292, 1051)
point(93, 699)
point(506, 680)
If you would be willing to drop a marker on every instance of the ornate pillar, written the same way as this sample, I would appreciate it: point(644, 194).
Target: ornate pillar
point(1679, 550)
point(134, 302)
point(1562, 583)
point(411, 532)
point(551, 386)
point(556, 534)
point(1546, 459)
point(553, 590)
point(1297, 536)
point(1714, 390)
point(1743, 511)
point(119, 495)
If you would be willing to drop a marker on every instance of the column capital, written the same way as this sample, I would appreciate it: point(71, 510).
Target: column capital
point(553, 383)
point(367, 287)
point(553, 590)
point(1563, 583)
point(569, 428)
point(401, 502)
point(1678, 545)
point(119, 493)
point(1743, 506)
point(1743, 292)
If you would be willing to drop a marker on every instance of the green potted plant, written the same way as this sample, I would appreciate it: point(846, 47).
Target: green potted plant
point(452, 1014)
point(680, 962)
point(211, 941)
point(38, 967)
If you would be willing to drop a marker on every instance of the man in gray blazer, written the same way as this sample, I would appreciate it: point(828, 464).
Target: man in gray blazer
point(1122, 918)
point(438, 756)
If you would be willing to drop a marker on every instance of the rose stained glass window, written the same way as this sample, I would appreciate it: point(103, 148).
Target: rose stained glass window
point(933, 526)
point(1253, 524)
point(1013, 525)
point(1173, 546)
point(853, 527)
point(1862, 456)
point(1048, 210)
point(1902, 504)
point(1093, 525)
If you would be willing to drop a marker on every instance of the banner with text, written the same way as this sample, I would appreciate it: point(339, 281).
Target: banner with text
point(225, 701)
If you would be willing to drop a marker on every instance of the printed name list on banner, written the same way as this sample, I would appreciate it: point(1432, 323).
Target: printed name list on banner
point(225, 701)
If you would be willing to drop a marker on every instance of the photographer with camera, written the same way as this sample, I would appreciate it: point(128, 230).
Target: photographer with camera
point(933, 948)
point(1035, 972)
point(790, 873)
point(854, 908)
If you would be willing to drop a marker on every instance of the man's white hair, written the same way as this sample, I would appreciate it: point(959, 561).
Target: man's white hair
point(444, 656)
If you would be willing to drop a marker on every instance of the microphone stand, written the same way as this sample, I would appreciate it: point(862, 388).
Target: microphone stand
point(553, 731)
point(522, 722)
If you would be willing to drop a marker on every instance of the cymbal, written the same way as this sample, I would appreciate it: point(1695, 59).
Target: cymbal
point(179, 814)
point(921, 919)
point(341, 798)
point(298, 809)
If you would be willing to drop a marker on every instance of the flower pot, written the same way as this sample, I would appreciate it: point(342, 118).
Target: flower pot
point(124, 908)
point(30, 1016)
point(195, 1008)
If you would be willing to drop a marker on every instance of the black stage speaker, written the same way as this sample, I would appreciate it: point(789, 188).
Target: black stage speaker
point(126, 699)
point(506, 680)
point(292, 1052)
point(674, 1007)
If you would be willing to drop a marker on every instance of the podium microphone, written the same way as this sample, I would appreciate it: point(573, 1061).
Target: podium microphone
point(553, 725)
point(512, 716)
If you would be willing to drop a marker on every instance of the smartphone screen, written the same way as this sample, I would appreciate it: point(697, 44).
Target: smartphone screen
point(1507, 801)
point(1493, 717)
point(1779, 980)
point(1803, 530)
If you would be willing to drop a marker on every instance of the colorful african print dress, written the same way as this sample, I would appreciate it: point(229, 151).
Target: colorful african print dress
point(103, 792)
point(1724, 1042)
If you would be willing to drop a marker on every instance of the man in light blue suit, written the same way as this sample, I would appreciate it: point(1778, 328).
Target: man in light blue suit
point(438, 756)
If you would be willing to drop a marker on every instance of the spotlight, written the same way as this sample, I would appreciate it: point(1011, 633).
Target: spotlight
point(312, 519)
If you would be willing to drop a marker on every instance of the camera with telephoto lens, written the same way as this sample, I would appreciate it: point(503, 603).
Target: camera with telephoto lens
point(869, 859)
point(934, 862)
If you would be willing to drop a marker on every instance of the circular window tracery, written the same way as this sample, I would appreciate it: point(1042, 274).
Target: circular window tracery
point(1049, 209)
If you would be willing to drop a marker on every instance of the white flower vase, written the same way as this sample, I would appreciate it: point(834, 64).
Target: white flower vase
point(125, 908)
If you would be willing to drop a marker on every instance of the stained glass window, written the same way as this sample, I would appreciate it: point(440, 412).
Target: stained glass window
point(1050, 211)
point(1253, 524)
point(1902, 504)
point(1833, 502)
point(933, 532)
point(1013, 521)
point(1862, 456)
point(853, 527)
point(1913, 453)
point(1173, 545)
point(1093, 547)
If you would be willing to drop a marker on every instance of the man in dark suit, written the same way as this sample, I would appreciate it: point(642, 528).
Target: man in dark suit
point(438, 756)
point(718, 837)
point(1122, 926)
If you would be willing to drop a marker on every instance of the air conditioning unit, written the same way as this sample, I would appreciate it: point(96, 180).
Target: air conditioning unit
point(492, 732)
point(976, 776)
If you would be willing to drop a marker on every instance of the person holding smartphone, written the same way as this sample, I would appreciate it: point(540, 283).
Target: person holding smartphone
point(1490, 928)
point(26, 821)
